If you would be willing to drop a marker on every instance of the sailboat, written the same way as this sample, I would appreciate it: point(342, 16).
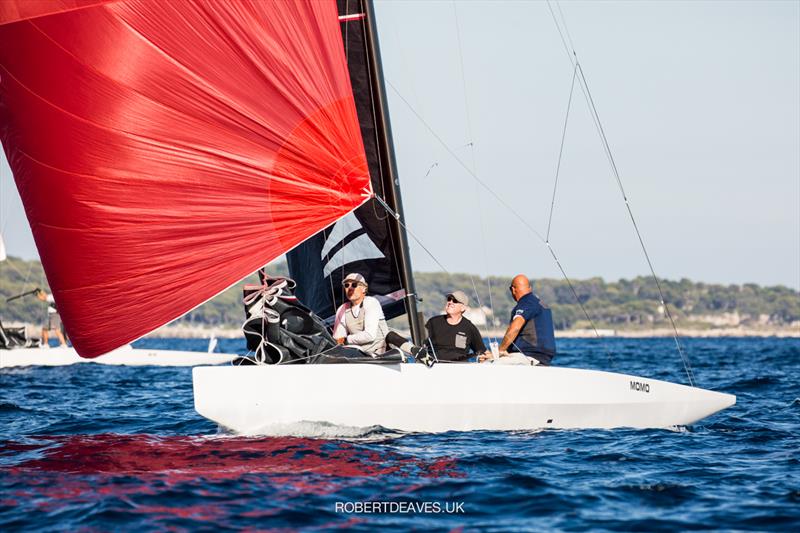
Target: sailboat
point(125, 355)
point(18, 349)
point(199, 141)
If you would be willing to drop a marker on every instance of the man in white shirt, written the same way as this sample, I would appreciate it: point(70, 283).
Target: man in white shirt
point(360, 321)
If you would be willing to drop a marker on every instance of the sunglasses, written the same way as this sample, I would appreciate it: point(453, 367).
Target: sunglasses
point(348, 284)
point(451, 299)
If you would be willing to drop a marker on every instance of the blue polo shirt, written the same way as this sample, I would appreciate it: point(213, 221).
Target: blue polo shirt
point(536, 338)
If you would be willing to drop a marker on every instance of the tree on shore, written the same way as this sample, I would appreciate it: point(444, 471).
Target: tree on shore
point(623, 304)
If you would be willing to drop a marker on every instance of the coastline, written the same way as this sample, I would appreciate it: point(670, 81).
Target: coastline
point(188, 332)
point(205, 332)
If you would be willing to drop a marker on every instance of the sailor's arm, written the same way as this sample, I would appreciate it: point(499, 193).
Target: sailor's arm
point(511, 333)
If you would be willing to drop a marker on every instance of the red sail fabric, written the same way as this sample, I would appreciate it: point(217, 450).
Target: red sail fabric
point(14, 10)
point(165, 150)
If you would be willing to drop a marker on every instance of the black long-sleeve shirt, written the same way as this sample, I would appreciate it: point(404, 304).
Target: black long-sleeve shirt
point(453, 342)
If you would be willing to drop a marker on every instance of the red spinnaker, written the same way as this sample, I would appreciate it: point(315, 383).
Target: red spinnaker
point(165, 150)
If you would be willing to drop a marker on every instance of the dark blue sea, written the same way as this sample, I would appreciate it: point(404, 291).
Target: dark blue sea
point(102, 448)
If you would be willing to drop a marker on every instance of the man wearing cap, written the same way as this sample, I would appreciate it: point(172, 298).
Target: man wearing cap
point(529, 339)
point(451, 335)
point(360, 321)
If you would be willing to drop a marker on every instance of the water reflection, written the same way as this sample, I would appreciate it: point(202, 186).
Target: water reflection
point(79, 466)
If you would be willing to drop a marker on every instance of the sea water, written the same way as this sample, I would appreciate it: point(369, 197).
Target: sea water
point(102, 448)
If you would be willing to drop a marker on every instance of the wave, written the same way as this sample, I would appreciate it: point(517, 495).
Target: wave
point(324, 430)
point(10, 407)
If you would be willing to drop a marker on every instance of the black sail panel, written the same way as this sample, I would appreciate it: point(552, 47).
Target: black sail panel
point(359, 243)
point(366, 241)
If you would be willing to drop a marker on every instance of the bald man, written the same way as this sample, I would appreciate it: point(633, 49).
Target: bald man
point(529, 339)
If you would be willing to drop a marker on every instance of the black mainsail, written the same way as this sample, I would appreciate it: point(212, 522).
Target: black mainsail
point(369, 240)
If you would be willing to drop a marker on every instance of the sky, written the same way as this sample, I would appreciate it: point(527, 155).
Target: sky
point(700, 103)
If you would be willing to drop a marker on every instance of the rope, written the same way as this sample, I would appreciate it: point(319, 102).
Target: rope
point(573, 57)
point(327, 234)
point(270, 293)
point(323, 352)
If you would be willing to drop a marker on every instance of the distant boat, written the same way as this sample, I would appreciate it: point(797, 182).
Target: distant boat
point(17, 349)
point(190, 143)
point(123, 356)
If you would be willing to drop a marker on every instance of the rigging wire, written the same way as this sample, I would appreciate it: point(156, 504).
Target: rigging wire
point(471, 143)
point(463, 165)
point(400, 221)
point(550, 219)
point(346, 33)
point(26, 277)
point(435, 164)
point(566, 29)
point(573, 57)
point(471, 277)
point(560, 155)
point(505, 205)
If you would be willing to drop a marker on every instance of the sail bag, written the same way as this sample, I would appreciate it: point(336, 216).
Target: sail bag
point(278, 328)
point(165, 150)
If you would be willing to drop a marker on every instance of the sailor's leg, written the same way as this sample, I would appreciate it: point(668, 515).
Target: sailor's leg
point(396, 340)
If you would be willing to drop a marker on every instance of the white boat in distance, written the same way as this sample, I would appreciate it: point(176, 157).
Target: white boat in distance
point(253, 400)
point(124, 356)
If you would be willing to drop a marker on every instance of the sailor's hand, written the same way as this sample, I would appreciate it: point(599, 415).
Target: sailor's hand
point(340, 340)
point(485, 356)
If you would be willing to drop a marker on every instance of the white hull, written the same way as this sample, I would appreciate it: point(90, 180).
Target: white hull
point(126, 355)
point(457, 397)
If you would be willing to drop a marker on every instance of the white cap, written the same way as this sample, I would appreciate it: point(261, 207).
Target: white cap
point(358, 278)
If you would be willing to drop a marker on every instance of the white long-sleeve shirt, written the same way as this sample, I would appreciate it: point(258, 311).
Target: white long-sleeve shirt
point(348, 324)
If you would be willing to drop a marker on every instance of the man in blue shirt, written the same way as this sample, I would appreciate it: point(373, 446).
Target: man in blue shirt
point(530, 338)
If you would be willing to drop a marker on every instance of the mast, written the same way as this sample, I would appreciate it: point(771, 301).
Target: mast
point(391, 182)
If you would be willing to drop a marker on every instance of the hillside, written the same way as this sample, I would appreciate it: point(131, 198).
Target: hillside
point(621, 305)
